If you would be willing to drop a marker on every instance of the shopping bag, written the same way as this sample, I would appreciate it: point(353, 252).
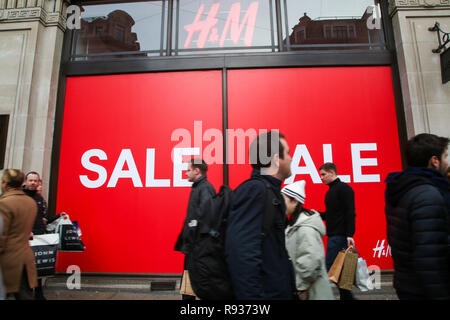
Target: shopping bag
point(69, 234)
point(45, 247)
point(362, 277)
point(70, 240)
point(54, 222)
point(186, 287)
point(347, 278)
point(335, 271)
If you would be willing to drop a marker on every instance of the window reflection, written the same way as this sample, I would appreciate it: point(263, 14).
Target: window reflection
point(215, 26)
point(132, 28)
point(329, 24)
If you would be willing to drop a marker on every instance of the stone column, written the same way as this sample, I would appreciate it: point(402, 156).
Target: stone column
point(426, 100)
point(31, 36)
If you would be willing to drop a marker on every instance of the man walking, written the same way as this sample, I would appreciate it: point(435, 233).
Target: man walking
point(339, 216)
point(255, 248)
point(418, 216)
point(201, 192)
point(18, 212)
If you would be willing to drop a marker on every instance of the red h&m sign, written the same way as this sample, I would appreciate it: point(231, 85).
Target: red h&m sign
point(207, 29)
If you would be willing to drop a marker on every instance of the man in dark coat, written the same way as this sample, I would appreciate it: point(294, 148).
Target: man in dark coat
point(418, 215)
point(202, 191)
point(255, 249)
point(339, 216)
point(30, 188)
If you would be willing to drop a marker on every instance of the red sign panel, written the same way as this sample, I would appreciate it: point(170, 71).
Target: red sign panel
point(344, 115)
point(116, 174)
point(126, 140)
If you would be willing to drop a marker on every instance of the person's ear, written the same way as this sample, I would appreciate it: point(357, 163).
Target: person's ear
point(434, 162)
point(276, 160)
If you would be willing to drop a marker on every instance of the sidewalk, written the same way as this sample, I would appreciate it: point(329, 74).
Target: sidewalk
point(105, 287)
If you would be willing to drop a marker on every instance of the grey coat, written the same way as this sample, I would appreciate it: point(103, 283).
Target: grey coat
point(305, 247)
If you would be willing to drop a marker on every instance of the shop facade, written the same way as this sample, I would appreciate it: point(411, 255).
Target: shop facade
point(110, 110)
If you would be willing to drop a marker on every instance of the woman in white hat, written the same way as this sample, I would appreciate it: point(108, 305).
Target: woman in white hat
point(304, 244)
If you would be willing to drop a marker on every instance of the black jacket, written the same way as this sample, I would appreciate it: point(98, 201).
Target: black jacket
point(258, 264)
point(39, 226)
point(417, 219)
point(202, 191)
point(340, 209)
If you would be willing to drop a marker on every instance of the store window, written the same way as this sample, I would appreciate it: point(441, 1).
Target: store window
point(331, 24)
point(4, 120)
point(131, 29)
point(221, 26)
point(186, 27)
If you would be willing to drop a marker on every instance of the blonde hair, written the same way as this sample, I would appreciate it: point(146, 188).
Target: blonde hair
point(13, 178)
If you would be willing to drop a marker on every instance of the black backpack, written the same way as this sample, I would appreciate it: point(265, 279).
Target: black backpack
point(208, 271)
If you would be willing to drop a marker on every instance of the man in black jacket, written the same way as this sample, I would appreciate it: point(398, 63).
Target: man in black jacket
point(417, 215)
point(30, 188)
point(339, 216)
point(255, 249)
point(201, 192)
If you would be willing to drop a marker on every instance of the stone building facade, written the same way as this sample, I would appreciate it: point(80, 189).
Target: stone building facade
point(31, 39)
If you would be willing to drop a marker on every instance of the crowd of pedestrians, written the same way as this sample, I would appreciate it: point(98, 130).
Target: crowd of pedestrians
point(273, 244)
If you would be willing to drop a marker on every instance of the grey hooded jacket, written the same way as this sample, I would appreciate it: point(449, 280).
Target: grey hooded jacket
point(305, 248)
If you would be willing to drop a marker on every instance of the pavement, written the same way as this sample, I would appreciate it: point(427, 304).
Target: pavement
point(132, 287)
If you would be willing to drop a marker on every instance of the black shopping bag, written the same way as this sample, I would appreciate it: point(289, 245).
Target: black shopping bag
point(70, 240)
point(45, 249)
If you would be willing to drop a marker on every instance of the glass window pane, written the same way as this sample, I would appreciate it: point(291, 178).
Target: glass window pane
point(219, 26)
point(134, 28)
point(332, 24)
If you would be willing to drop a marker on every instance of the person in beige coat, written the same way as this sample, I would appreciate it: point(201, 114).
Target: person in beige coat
point(304, 244)
point(18, 212)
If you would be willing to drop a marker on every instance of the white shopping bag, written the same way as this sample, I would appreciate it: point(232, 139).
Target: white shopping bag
point(362, 277)
point(45, 249)
point(62, 219)
point(44, 240)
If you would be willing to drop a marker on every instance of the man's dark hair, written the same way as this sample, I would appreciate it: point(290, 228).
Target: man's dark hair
point(31, 172)
point(200, 164)
point(421, 148)
point(264, 147)
point(328, 167)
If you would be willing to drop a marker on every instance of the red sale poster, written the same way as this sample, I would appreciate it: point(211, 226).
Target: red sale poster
point(116, 174)
point(126, 140)
point(343, 115)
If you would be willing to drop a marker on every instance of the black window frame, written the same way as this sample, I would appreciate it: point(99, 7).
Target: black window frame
point(4, 124)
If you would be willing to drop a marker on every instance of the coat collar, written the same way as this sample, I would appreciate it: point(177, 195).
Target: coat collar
point(335, 182)
point(199, 180)
point(274, 182)
point(13, 192)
